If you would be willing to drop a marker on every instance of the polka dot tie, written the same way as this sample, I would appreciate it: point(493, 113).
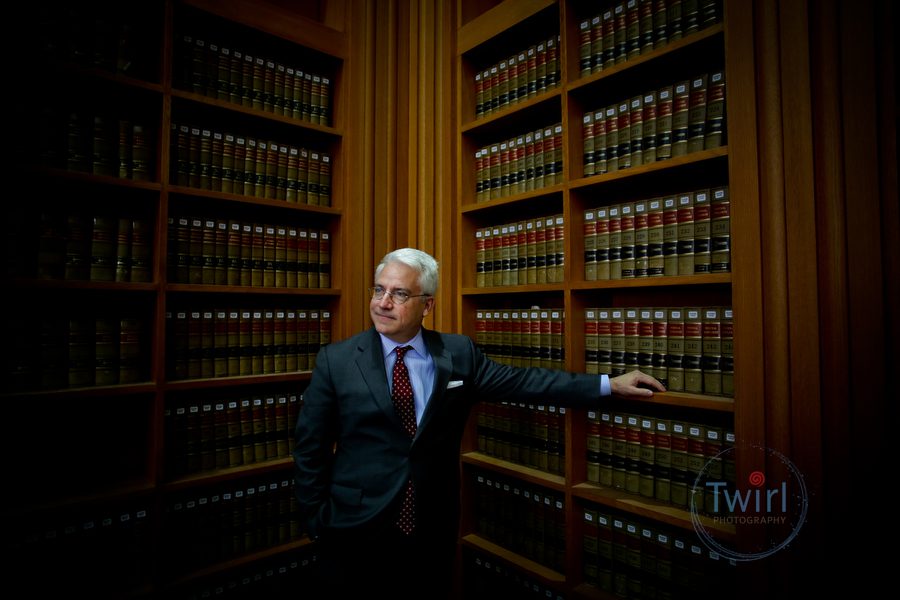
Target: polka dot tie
point(402, 396)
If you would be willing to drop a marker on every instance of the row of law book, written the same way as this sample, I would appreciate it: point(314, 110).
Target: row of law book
point(525, 252)
point(105, 549)
point(688, 349)
point(75, 350)
point(530, 337)
point(527, 519)
point(230, 342)
point(525, 434)
point(487, 577)
point(207, 159)
point(668, 460)
point(230, 519)
point(96, 144)
point(681, 234)
point(523, 163)
point(100, 247)
point(210, 251)
point(674, 120)
point(521, 76)
point(634, 557)
point(229, 431)
point(251, 80)
point(627, 29)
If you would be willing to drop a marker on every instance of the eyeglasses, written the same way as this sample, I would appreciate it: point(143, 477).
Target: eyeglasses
point(397, 296)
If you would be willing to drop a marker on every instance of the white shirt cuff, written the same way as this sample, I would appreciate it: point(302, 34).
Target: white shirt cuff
point(605, 388)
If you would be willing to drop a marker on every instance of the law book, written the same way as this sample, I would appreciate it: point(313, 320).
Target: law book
point(290, 341)
point(649, 126)
point(623, 125)
point(220, 343)
point(727, 335)
point(206, 437)
point(619, 450)
point(605, 564)
point(208, 252)
point(260, 169)
point(645, 340)
point(103, 248)
point(641, 239)
point(259, 429)
point(627, 237)
point(220, 434)
point(315, 336)
point(712, 468)
point(611, 122)
point(324, 328)
point(268, 341)
point(715, 111)
point(680, 118)
point(685, 233)
point(604, 342)
point(620, 556)
point(256, 348)
point(711, 361)
point(632, 453)
point(674, 18)
point(697, 113)
point(601, 227)
point(600, 153)
point(679, 487)
point(521, 253)
point(590, 245)
point(216, 155)
point(592, 447)
point(282, 426)
point(325, 180)
point(303, 363)
point(615, 241)
point(670, 235)
point(123, 250)
point(702, 231)
point(693, 350)
point(313, 258)
point(237, 171)
point(557, 342)
point(662, 460)
point(195, 344)
point(303, 258)
point(633, 39)
point(270, 187)
point(634, 585)
point(249, 170)
point(103, 148)
point(589, 556)
point(208, 344)
point(720, 231)
point(220, 263)
point(636, 124)
point(193, 437)
point(664, 116)
point(696, 460)
point(557, 154)
point(632, 338)
point(591, 339)
point(234, 451)
point(675, 349)
point(620, 33)
point(553, 228)
point(281, 172)
point(106, 351)
point(660, 368)
point(313, 185)
point(130, 341)
point(245, 408)
point(271, 420)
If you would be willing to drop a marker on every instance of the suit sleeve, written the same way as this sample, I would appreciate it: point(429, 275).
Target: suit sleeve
point(314, 436)
point(497, 382)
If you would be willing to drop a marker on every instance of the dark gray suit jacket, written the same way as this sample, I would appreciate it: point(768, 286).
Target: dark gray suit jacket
point(352, 455)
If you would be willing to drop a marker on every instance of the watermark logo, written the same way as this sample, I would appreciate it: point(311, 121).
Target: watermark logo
point(770, 512)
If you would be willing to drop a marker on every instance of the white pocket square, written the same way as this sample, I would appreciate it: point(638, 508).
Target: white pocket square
point(454, 383)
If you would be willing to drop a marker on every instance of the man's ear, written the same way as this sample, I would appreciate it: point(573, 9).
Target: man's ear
point(429, 306)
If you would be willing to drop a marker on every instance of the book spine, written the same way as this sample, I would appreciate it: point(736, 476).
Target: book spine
point(670, 236)
point(697, 113)
point(715, 111)
point(660, 368)
point(662, 461)
point(627, 240)
point(685, 245)
point(693, 350)
point(604, 342)
point(727, 334)
point(711, 364)
point(702, 222)
point(675, 349)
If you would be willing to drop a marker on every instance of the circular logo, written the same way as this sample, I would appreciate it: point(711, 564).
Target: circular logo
point(765, 512)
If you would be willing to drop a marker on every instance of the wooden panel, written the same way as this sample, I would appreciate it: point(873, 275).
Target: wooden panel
point(497, 19)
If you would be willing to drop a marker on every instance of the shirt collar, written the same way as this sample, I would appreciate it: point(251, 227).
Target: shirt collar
point(418, 344)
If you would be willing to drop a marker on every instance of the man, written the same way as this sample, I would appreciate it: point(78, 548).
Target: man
point(377, 451)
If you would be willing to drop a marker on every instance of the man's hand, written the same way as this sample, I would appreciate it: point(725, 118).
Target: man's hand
point(634, 385)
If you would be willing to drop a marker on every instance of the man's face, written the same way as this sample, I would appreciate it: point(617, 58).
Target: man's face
point(399, 322)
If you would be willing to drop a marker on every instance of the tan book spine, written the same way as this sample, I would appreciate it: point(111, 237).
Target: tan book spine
point(697, 113)
point(325, 180)
point(207, 344)
point(664, 108)
point(220, 268)
point(260, 169)
point(702, 231)
point(256, 343)
point(268, 341)
point(303, 258)
point(685, 233)
point(604, 342)
point(590, 245)
point(314, 192)
point(602, 227)
point(679, 470)
point(633, 454)
point(623, 113)
point(673, 16)
point(560, 248)
point(246, 343)
point(591, 364)
point(641, 239)
point(220, 344)
point(620, 450)
point(636, 119)
point(106, 351)
point(662, 460)
point(600, 152)
point(587, 135)
point(711, 362)
point(258, 255)
point(302, 340)
point(715, 111)
point(675, 349)
point(530, 251)
point(670, 236)
point(557, 355)
point(233, 433)
point(228, 164)
point(270, 188)
point(557, 154)
point(620, 32)
point(727, 333)
point(696, 460)
point(208, 252)
point(313, 258)
point(645, 340)
point(290, 260)
point(617, 337)
point(505, 272)
point(217, 151)
point(324, 260)
point(131, 341)
point(615, 241)
point(720, 231)
point(522, 253)
point(680, 118)
point(281, 173)
point(612, 138)
point(123, 250)
point(233, 341)
point(540, 251)
point(103, 248)
point(627, 226)
point(240, 160)
point(290, 341)
point(632, 338)
point(660, 346)
point(278, 342)
point(693, 350)
point(280, 256)
point(648, 154)
point(632, 29)
point(550, 257)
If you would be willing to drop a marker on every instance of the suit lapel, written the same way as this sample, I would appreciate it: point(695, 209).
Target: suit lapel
point(370, 361)
point(443, 366)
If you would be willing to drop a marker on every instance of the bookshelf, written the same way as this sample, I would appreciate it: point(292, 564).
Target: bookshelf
point(645, 61)
point(169, 289)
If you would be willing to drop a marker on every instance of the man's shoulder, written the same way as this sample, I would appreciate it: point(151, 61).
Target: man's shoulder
point(361, 339)
point(451, 341)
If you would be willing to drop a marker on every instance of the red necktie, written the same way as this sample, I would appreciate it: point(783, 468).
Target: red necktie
point(402, 395)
